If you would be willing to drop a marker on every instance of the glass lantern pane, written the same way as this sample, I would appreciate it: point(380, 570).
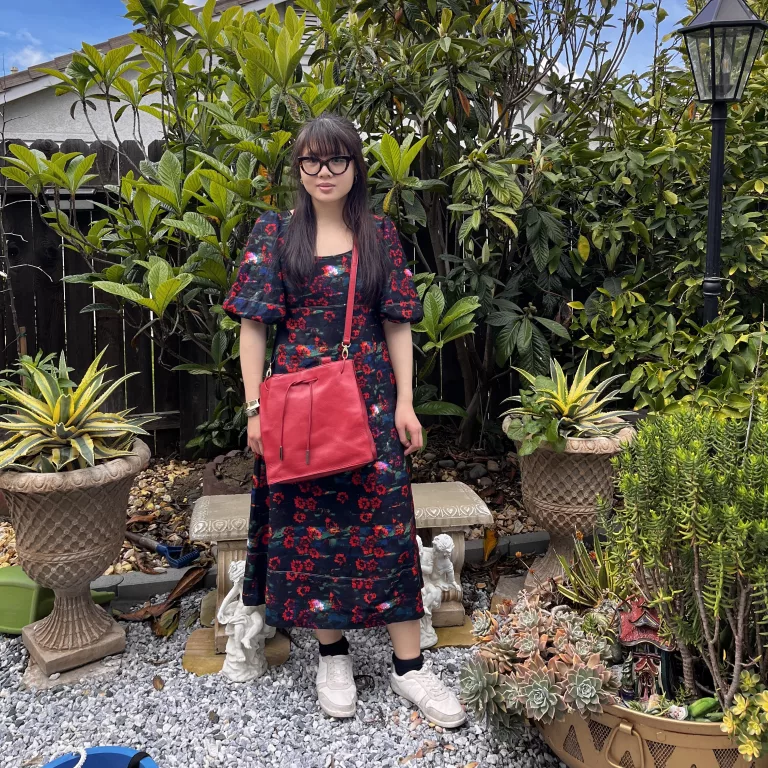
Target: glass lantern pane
point(730, 52)
point(749, 60)
point(699, 52)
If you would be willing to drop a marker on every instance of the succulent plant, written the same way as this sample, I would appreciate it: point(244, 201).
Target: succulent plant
point(592, 578)
point(529, 643)
point(531, 653)
point(63, 428)
point(585, 684)
point(540, 693)
point(484, 624)
point(502, 652)
point(488, 694)
point(552, 411)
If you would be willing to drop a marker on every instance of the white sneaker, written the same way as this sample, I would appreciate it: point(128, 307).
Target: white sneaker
point(436, 702)
point(336, 690)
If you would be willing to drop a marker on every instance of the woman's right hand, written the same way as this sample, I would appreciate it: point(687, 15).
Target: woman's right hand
point(254, 435)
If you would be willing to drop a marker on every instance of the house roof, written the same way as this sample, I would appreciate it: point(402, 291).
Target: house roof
point(36, 81)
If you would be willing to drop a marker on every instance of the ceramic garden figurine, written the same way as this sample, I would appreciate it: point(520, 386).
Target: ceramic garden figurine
point(650, 656)
point(437, 569)
point(246, 631)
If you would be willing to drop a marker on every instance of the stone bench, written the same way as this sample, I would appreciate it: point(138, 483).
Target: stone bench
point(440, 508)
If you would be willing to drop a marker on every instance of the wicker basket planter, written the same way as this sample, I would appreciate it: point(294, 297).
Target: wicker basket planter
point(560, 492)
point(623, 738)
point(69, 528)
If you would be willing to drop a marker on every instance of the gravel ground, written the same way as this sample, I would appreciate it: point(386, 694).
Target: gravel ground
point(185, 721)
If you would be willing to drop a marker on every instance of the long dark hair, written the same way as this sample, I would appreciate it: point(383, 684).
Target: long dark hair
point(325, 136)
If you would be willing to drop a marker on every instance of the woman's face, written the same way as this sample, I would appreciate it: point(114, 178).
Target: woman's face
point(327, 178)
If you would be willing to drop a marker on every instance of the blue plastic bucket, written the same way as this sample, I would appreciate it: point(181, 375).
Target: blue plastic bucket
point(102, 757)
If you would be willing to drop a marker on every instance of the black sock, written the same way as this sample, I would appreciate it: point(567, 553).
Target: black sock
point(407, 665)
point(339, 648)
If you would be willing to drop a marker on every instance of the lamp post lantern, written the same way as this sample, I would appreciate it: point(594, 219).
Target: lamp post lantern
point(722, 42)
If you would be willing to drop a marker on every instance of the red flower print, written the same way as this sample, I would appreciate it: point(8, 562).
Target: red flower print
point(302, 591)
point(274, 563)
point(379, 552)
point(270, 229)
point(299, 517)
point(297, 565)
point(340, 559)
point(366, 517)
point(342, 497)
point(369, 597)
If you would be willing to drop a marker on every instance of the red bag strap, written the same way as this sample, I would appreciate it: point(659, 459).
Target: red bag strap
point(350, 304)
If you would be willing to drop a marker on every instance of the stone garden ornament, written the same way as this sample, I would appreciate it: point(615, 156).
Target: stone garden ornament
point(246, 631)
point(437, 569)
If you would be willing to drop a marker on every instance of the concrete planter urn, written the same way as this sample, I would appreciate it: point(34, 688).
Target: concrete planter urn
point(560, 492)
point(69, 527)
point(622, 738)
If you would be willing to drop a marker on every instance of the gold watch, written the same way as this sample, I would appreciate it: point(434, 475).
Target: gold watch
point(251, 407)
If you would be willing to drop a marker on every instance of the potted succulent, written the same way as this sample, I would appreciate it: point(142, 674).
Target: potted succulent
point(566, 437)
point(66, 469)
point(684, 565)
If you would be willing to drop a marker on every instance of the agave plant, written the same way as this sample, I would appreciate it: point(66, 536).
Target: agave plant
point(553, 411)
point(59, 426)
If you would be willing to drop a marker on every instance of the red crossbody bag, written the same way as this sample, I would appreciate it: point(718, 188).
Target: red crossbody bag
point(314, 421)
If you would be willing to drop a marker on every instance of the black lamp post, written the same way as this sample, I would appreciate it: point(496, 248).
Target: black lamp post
point(722, 43)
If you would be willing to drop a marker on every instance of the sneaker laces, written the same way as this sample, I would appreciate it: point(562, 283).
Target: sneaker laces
point(432, 684)
point(340, 670)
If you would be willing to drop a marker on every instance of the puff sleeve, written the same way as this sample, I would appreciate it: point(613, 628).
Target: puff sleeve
point(258, 292)
point(399, 299)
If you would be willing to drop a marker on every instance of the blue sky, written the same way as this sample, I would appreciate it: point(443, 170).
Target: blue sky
point(35, 31)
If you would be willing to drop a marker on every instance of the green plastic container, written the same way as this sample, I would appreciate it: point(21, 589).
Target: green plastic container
point(23, 602)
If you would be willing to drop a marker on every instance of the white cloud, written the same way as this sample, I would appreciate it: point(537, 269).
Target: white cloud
point(27, 37)
point(29, 56)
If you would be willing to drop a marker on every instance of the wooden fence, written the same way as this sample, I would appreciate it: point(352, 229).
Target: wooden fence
point(50, 317)
point(49, 313)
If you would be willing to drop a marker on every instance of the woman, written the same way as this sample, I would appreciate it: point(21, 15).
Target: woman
point(338, 552)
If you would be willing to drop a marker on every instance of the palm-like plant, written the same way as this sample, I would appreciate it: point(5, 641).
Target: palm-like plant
point(63, 428)
point(554, 411)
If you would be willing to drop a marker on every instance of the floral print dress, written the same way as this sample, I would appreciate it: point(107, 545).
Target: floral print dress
point(337, 552)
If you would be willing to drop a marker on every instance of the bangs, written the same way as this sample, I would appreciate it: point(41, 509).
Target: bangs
point(321, 139)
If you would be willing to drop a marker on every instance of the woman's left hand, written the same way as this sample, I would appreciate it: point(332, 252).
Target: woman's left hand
point(406, 419)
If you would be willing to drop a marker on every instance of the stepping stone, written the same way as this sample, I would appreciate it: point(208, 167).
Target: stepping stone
point(508, 588)
point(208, 609)
point(455, 637)
point(96, 672)
point(200, 655)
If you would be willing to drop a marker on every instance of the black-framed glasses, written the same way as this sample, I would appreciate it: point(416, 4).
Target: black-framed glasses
point(336, 165)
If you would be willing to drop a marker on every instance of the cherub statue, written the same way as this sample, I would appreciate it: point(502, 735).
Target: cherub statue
point(437, 569)
point(246, 631)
